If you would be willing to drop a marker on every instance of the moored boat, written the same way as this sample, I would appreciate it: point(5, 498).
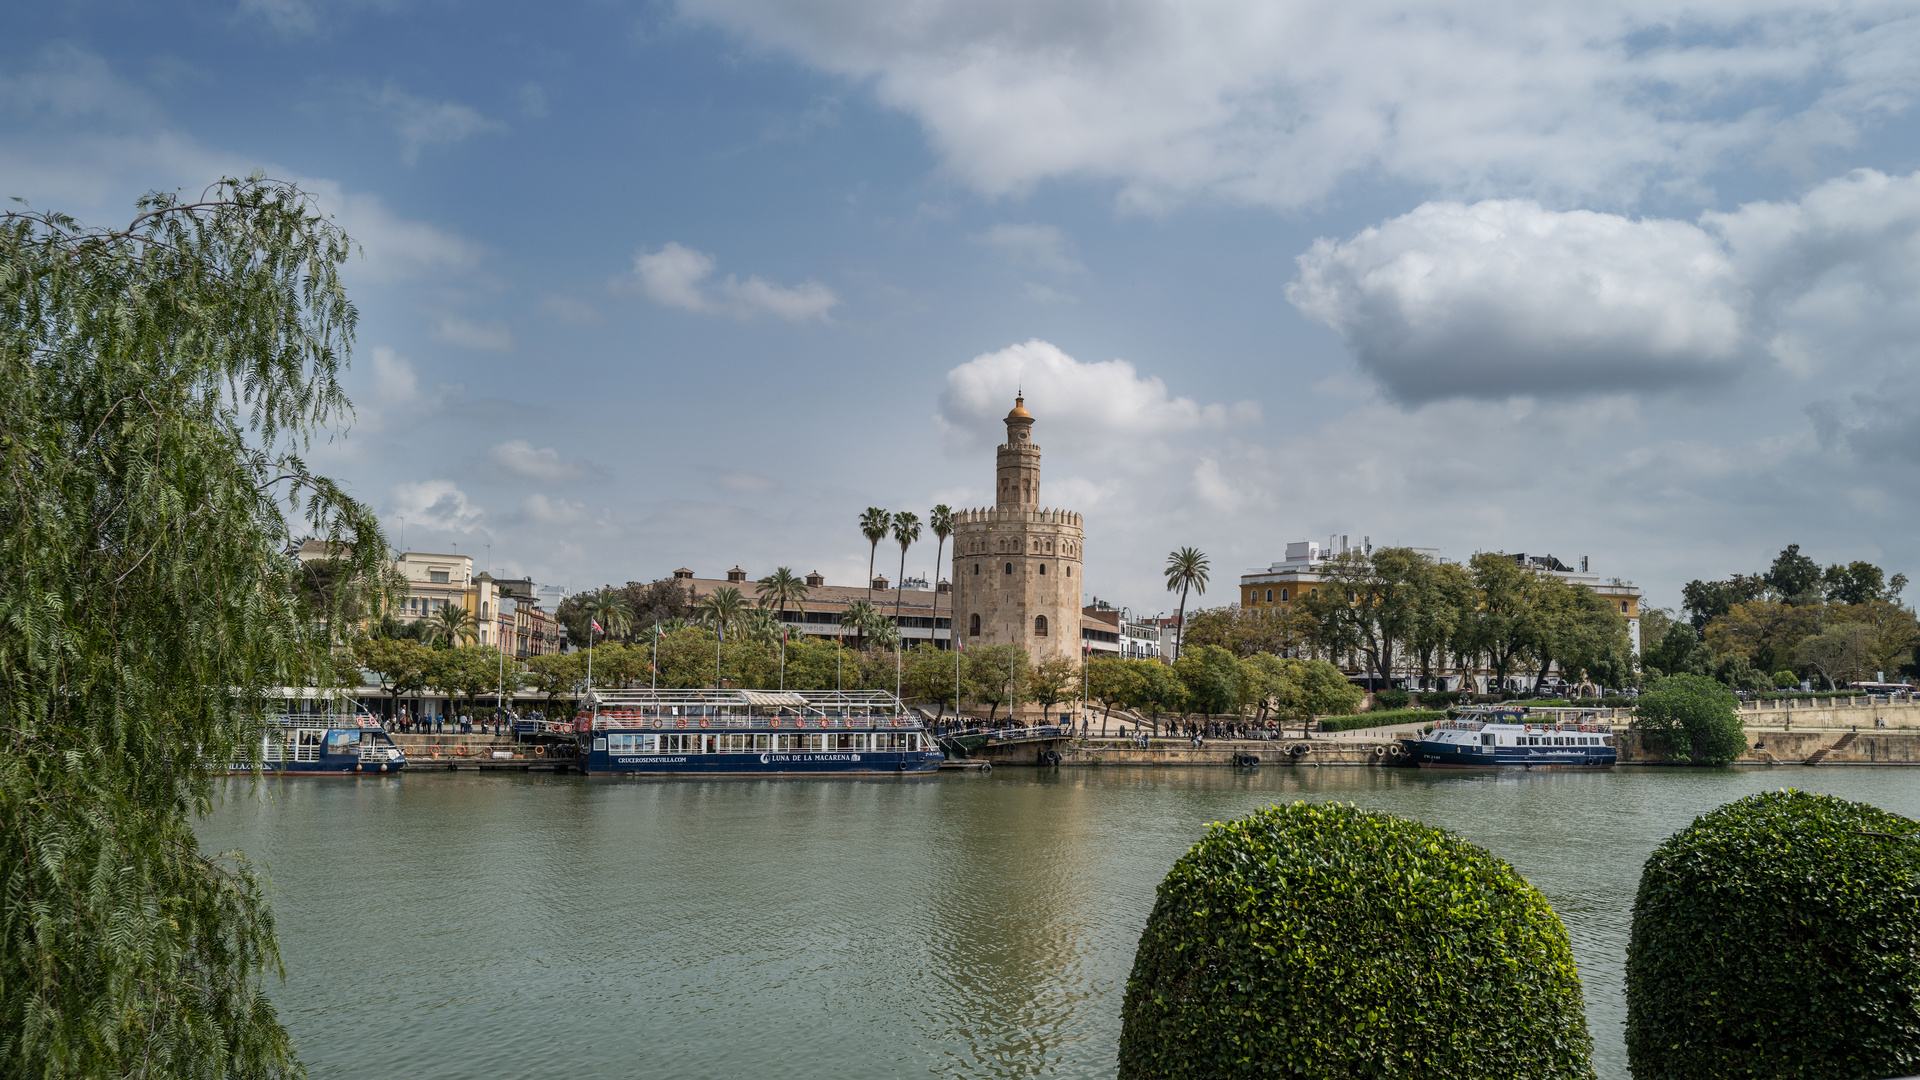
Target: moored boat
point(752, 733)
point(1514, 739)
point(317, 743)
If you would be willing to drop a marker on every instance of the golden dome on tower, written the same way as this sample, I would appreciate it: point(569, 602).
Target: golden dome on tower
point(1020, 410)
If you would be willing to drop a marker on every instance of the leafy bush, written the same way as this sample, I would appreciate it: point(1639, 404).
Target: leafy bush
point(1785, 680)
point(1375, 719)
point(1776, 936)
point(1440, 699)
point(1327, 940)
point(1693, 717)
point(1391, 698)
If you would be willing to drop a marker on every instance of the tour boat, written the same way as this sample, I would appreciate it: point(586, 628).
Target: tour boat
point(315, 743)
point(751, 733)
point(1513, 739)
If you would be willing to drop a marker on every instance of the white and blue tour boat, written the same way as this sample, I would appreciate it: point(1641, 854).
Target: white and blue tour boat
point(752, 733)
point(314, 742)
point(1515, 739)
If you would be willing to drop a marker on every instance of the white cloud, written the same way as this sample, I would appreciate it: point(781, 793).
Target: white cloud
point(1279, 103)
point(522, 458)
point(1105, 401)
point(292, 18)
point(1504, 298)
point(676, 276)
point(421, 122)
point(393, 377)
point(552, 511)
point(746, 483)
point(494, 336)
point(1035, 247)
point(435, 504)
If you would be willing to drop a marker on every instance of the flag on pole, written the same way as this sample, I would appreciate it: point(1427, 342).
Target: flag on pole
point(595, 623)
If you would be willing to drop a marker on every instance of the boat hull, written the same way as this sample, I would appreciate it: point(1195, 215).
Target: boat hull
point(759, 763)
point(325, 768)
point(1431, 755)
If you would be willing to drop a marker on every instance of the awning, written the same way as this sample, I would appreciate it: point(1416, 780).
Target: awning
point(773, 699)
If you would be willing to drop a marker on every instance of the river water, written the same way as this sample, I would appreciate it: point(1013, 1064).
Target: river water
point(439, 925)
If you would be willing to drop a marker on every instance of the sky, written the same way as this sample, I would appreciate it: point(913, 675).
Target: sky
point(651, 285)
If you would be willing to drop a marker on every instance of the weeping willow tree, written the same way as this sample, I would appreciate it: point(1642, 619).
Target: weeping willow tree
point(158, 386)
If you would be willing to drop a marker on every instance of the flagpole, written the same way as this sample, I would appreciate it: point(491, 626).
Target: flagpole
point(719, 638)
point(656, 656)
point(783, 659)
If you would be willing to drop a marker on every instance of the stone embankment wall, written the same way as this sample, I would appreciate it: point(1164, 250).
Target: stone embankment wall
point(1097, 751)
point(1833, 731)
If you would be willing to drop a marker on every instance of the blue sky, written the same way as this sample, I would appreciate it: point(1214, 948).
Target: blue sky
point(652, 285)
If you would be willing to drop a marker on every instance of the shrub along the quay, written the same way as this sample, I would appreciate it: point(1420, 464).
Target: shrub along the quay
point(1693, 717)
point(1326, 940)
point(1778, 936)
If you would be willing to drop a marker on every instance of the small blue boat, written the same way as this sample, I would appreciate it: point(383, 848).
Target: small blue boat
point(335, 744)
point(1514, 739)
point(752, 733)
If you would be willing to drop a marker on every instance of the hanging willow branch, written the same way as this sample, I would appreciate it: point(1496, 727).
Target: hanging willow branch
point(156, 385)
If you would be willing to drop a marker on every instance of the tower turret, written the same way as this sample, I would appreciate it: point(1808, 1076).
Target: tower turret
point(1018, 461)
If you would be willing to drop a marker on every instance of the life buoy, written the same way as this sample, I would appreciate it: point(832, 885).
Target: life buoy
point(539, 751)
point(463, 750)
point(899, 723)
point(658, 723)
point(680, 723)
point(703, 721)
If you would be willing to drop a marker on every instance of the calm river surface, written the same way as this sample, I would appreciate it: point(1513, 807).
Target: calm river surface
point(437, 925)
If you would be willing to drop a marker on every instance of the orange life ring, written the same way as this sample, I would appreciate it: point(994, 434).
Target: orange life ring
point(680, 723)
point(539, 751)
point(463, 750)
point(658, 723)
point(899, 723)
point(433, 751)
point(703, 721)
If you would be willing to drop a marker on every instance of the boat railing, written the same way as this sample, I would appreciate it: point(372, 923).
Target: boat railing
point(618, 720)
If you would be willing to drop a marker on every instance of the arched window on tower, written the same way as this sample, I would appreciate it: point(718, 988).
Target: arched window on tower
point(1043, 569)
point(976, 569)
point(1039, 626)
point(1009, 568)
point(973, 626)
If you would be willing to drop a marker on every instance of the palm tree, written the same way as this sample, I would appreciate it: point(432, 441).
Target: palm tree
point(759, 624)
point(865, 622)
point(1186, 569)
point(451, 624)
point(874, 525)
point(782, 587)
point(608, 608)
point(722, 609)
point(906, 529)
point(941, 522)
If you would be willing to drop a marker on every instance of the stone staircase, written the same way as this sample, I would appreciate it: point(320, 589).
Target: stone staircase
point(1820, 755)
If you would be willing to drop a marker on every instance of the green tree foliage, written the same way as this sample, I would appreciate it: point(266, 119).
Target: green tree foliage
point(1860, 583)
point(1692, 717)
point(1211, 676)
point(1161, 690)
point(1251, 631)
point(721, 609)
point(1115, 683)
point(1839, 653)
point(1705, 601)
point(874, 523)
point(781, 588)
point(1668, 655)
point(400, 664)
point(869, 625)
point(1325, 940)
point(608, 607)
point(998, 675)
point(157, 384)
point(556, 676)
point(1310, 688)
point(1053, 681)
point(655, 602)
point(1372, 601)
point(1774, 937)
point(929, 675)
point(464, 673)
point(1794, 577)
point(906, 530)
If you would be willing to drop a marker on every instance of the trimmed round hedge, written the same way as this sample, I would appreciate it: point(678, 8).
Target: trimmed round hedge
point(1778, 936)
point(1326, 940)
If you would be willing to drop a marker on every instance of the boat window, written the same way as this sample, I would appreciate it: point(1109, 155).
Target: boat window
point(847, 740)
point(763, 742)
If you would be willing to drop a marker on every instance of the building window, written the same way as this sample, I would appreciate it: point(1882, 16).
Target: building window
point(1069, 571)
point(1623, 607)
point(1283, 596)
point(1039, 626)
point(1269, 596)
point(1043, 569)
point(437, 577)
point(976, 569)
point(973, 626)
point(1009, 568)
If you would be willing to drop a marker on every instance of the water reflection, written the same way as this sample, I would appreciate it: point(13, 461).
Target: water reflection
point(440, 925)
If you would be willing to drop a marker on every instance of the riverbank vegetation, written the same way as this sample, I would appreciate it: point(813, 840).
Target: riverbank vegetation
point(158, 385)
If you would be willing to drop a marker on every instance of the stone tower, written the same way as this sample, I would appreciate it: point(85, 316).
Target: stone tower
point(1016, 566)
